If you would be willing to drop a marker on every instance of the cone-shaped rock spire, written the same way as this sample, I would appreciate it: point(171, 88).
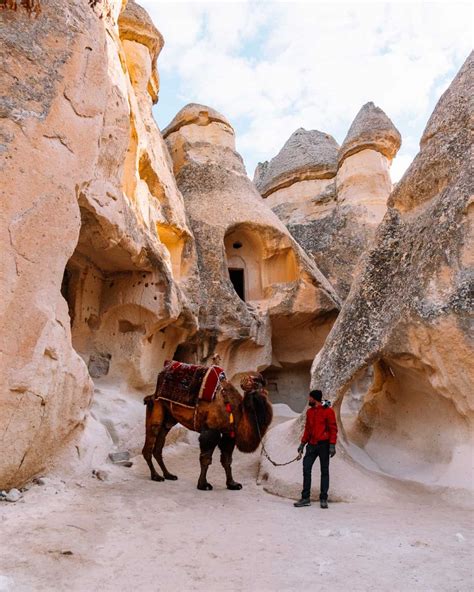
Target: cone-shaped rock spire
point(305, 155)
point(198, 114)
point(372, 129)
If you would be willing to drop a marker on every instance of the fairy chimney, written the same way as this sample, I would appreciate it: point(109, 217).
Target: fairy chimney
point(332, 199)
point(255, 279)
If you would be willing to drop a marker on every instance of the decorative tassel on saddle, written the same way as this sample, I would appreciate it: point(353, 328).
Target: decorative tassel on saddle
point(228, 408)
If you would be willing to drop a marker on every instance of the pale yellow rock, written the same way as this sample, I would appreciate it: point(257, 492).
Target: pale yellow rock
point(363, 179)
point(300, 193)
point(137, 28)
point(398, 362)
point(408, 316)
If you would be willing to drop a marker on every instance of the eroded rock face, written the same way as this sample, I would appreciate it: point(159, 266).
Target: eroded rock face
point(129, 304)
point(136, 27)
point(263, 303)
point(330, 198)
point(408, 313)
point(95, 246)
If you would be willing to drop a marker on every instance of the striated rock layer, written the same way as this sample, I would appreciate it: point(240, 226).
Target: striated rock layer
point(263, 303)
point(330, 198)
point(95, 244)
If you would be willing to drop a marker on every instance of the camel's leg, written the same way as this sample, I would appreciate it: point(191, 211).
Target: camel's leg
point(208, 440)
point(154, 421)
point(226, 446)
point(158, 451)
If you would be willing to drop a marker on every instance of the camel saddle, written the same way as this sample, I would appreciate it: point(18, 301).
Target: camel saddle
point(187, 384)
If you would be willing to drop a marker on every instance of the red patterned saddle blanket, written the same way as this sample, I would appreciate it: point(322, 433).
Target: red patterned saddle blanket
point(188, 383)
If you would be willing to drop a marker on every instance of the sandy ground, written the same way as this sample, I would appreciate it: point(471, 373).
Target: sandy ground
point(130, 534)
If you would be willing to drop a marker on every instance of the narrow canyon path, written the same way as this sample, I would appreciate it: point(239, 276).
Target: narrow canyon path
point(130, 534)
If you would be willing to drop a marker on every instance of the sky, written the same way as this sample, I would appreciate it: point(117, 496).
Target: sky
point(272, 67)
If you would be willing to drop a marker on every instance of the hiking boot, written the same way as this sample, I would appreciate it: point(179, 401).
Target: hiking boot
point(304, 501)
point(323, 504)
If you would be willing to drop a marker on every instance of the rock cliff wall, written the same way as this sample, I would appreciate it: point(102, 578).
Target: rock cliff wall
point(95, 244)
point(403, 340)
point(408, 314)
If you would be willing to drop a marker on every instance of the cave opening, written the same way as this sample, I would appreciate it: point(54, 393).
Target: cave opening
point(257, 259)
point(405, 425)
point(67, 291)
point(186, 353)
point(237, 278)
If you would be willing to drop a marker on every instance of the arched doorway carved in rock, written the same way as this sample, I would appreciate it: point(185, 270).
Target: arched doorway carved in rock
point(244, 255)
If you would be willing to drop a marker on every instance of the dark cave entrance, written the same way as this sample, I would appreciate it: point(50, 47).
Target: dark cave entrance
point(238, 281)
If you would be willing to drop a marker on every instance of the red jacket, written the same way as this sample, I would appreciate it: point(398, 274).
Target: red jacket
point(320, 425)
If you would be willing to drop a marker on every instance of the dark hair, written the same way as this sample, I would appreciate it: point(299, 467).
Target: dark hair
point(316, 394)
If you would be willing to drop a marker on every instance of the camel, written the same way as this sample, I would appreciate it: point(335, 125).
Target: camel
point(227, 421)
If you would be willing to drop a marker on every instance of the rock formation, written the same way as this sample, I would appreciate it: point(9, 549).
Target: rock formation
point(332, 199)
point(404, 330)
point(94, 237)
point(262, 303)
point(120, 250)
point(306, 156)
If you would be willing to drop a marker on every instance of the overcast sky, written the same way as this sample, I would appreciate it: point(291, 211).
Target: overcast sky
point(272, 67)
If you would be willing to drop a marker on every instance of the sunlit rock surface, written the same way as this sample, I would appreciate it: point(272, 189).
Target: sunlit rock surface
point(95, 243)
point(107, 269)
point(403, 339)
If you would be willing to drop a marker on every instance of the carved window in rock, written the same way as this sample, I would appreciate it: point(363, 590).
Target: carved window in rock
point(258, 259)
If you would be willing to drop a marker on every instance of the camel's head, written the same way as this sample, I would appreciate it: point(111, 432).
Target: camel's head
point(253, 381)
point(257, 413)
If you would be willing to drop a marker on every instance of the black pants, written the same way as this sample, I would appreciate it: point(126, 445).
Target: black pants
point(320, 449)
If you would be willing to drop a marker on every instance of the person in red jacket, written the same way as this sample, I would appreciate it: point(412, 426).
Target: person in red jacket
point(320, 437)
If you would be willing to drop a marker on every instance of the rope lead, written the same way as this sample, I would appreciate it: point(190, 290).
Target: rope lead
point(265, 452)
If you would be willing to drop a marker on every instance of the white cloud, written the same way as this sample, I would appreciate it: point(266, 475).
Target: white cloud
point(273, 67)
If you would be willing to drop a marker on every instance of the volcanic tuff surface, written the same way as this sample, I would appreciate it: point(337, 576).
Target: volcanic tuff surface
point(121, 249)
point(371, 129)
point(235, 231)
point(92, 226)
point(306, 154)
point(332, 199)
point(403, 339)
